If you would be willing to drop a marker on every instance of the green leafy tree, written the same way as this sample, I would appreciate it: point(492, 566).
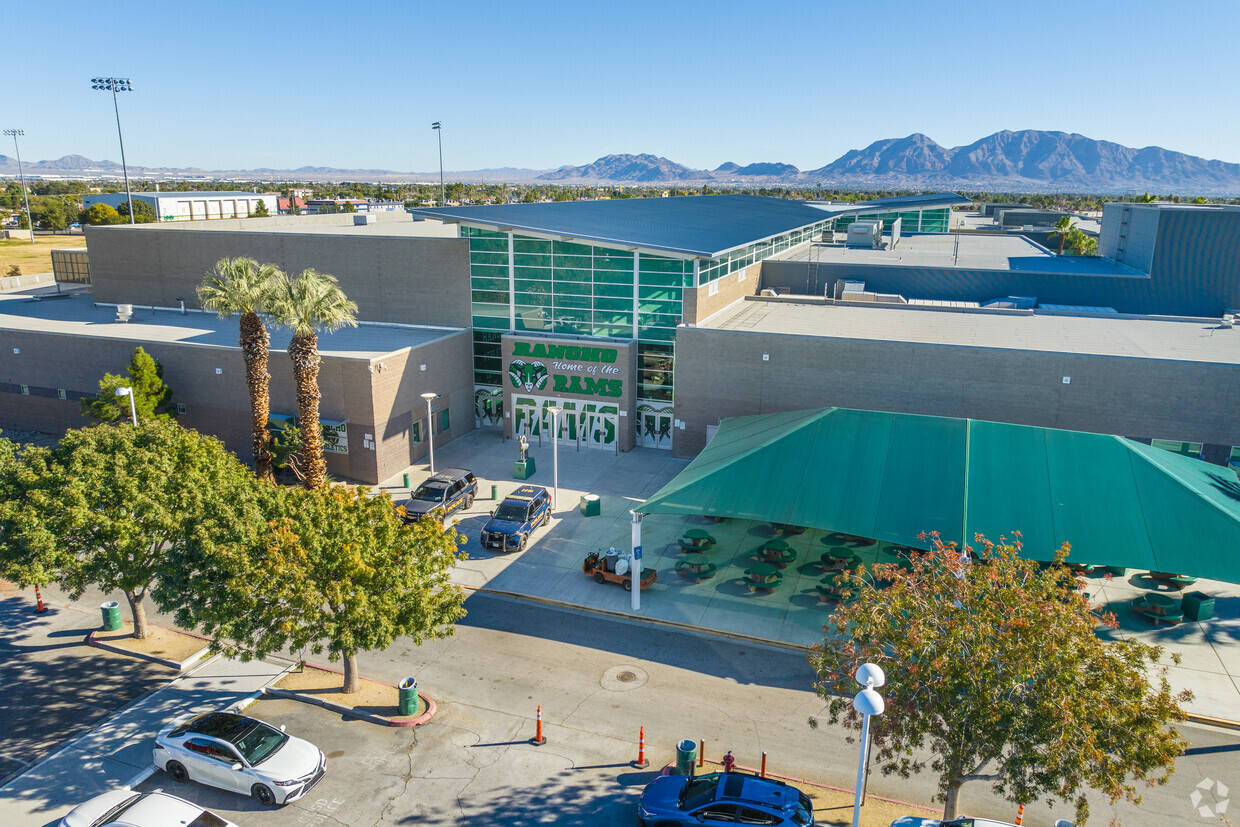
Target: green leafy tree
point(995, 670)
point(242, 286)
point(332, 570)
point(143, 212)
point(152, 398)
point(308, 303)
point(1063, 231)
point(100, 214)
point(106, 505)
point(260, 211)
point(50, 214)
point(347, 207)
point(28, 548)
point(1088, 245)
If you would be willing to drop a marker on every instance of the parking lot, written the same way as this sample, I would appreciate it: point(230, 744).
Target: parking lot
point(433, 775)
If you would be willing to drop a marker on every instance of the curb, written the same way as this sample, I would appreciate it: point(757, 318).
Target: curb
point(180, 666)
point(831, 787)
point(350, 712)
point(1224, 723)
point(654, 621)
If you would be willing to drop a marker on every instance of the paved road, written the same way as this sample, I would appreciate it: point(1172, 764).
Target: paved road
point(54, 685)
point(472, 763)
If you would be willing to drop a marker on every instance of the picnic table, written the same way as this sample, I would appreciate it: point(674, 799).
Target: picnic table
point(777, 553)
point(836, 538)
point(695, 539)
point(1176, 581)
point(788, 528)
point(763, 577)
point(831, 587)
point(1159, 607)
point(696, 566)
point(837, 558)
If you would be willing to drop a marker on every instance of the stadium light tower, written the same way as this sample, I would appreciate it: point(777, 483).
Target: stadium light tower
point(22, 174)
point(438, 127)
point(115, 85)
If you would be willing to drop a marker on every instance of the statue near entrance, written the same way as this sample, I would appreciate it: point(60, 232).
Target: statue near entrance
point(523, 445)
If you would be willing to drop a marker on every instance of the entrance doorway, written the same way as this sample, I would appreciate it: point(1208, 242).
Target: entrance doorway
point(581, 424)
point(654, 426)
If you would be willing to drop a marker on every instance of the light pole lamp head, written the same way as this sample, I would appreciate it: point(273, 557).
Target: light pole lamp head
point(553, 410)
point(15, 132)
point(111, 84)
point(124, 391)
point(436, 125)
point(868, 702)
point(870, 675)
point(429, 396)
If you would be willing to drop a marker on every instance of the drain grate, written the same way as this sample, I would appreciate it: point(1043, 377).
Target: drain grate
point(626, 677)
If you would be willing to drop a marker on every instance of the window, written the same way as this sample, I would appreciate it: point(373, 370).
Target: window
point(1188, 449)
point(207, 749)
point(1233, 459)
point(713, 288)
point(719, 812)
point(417, 433)
point(750, 816)
point(443, 420)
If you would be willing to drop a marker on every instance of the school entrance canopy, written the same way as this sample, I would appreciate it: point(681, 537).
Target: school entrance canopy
point(893, 476)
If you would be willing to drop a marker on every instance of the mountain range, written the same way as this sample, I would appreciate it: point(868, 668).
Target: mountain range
point(1023, 161)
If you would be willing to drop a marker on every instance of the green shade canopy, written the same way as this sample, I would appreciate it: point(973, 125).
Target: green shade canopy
point(894, 476)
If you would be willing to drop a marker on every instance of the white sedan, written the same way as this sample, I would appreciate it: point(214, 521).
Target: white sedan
point(241, 754)
point(126, 808)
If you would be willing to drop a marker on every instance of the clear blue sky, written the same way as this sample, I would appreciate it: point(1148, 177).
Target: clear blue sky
point(241, 85)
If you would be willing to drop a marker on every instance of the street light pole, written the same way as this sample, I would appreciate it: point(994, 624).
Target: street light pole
point(115, 85)
point(867, 702)
point(133, 409)
point(555, 456)
point(430, 426)
point(438, 127)
point(21, 172)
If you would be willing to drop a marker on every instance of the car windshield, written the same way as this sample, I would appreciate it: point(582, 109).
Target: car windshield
point(430, 494)
point(513, 512)
point(805, 811)
point(260, 743)
point(699, 792)
point(208, 819)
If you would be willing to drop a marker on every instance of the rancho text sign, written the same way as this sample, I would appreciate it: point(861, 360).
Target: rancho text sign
point(573, 368)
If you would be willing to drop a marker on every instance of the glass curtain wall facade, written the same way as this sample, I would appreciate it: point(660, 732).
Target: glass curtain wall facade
point(915, 221)
point(521, 283)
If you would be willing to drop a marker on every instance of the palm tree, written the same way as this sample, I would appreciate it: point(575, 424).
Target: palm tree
point(305, 304)
point(241, 285)
point(1063, 228)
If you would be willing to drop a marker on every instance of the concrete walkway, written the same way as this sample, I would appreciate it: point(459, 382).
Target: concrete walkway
point(550, 568)
point(118, 751)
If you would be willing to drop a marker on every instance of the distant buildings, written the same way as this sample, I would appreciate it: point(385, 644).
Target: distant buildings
point(191, 206)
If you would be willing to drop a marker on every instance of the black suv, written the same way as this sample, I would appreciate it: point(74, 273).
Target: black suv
point(452, 489)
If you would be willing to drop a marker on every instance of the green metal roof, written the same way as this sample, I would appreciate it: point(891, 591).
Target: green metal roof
point(893, 476)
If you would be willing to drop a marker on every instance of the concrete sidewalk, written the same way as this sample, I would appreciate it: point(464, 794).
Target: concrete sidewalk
point(119, 750)
point(550, 569)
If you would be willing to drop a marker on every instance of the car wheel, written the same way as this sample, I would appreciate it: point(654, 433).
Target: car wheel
point(521, 545)
point(469, 501)
point(176, 771)
point(599, 578)
point(263, 795)
point(628, 585)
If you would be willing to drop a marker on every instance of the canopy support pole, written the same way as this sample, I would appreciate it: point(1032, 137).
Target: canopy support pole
point(636, 593)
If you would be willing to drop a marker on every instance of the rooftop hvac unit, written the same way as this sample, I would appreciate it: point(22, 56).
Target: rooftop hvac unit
point(866, 234)
point(364, 218)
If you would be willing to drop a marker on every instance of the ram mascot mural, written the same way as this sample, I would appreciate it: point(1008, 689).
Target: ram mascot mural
point(528, 375)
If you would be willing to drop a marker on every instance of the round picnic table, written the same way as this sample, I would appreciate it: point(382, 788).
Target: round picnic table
point(696, 538)
point(763, 576)
point(1160, 601)
point(838, 557)
point(788, 528)
point(778, 553)
point(695, 566)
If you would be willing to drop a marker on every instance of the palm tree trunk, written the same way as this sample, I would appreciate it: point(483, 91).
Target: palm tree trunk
point(254, 344)
point(352, 681)
point(304, 352)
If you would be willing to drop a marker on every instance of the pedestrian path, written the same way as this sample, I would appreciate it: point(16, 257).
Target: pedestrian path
point(119, 750)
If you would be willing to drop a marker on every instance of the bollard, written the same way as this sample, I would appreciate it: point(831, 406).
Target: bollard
point(538, 740)
point(1020, 814)
point(494, 492)
point(38, 596)
point(763, 773)
point(405, 480)
point(641, 763)
point(701, 753)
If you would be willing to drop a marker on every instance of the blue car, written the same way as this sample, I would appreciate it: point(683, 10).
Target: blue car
point(518, 515)
point(722, 798)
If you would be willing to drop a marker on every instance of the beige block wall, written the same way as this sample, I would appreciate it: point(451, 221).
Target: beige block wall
point(700, 305)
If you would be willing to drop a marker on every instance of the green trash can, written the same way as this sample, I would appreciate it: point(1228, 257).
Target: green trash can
point(1198, 605)
point(686, 756)
point(590, 505)
point(408, 689)
point(111, 616)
